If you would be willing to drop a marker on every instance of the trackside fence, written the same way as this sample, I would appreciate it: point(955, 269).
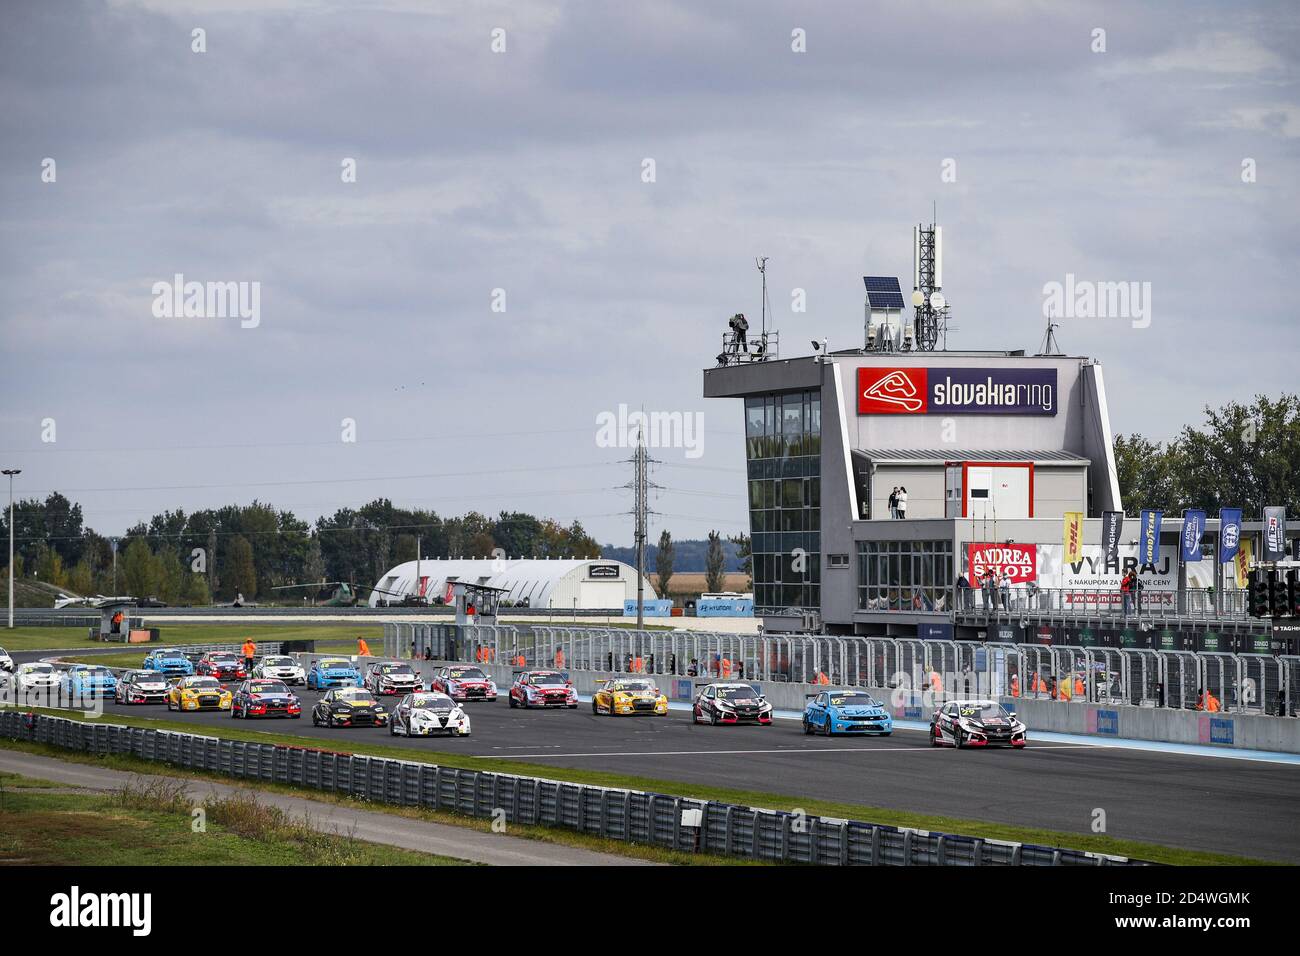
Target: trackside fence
point(691, 826)
point(1258, 684)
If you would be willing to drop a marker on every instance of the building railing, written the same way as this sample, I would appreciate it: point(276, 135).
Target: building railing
point(1239, 683)
point(1019, 601)
point(633, 816)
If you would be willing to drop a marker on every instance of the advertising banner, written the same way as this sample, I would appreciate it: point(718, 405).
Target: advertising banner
point(1193, 531)
point(1112, 526)
point(651, 607)
point(1094, 581)
point(1018, 561)
point(1229, 533)
point(1150, 540)
point(956, 391)
point(1274, 534)
point(1073, 535)
point(1242, 562)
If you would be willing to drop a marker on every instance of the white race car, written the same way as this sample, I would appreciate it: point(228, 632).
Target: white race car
point(6, 662)
point(280, 667)
point(36, 677)
point(392, 677)
point(428, 713)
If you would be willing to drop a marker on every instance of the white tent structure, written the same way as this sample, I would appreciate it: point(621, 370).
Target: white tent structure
point(588, 583)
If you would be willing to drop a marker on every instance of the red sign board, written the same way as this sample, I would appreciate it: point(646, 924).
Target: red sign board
point(1019, 561)
point(891, 391)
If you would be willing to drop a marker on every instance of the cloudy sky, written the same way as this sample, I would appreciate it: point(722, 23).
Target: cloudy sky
point(522, 170)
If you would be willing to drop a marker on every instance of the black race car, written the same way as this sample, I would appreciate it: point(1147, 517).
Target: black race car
point(264, 697)
point(975, 723)
point(728, 702)
point(349, 707)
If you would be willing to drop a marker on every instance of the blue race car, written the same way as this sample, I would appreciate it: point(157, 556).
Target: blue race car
point(846, 712)
point(333, 672)
point(169, 662)
point(81, 681)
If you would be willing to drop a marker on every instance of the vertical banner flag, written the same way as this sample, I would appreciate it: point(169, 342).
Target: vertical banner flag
point(1149, 545)
point(1229, 533)
point(1193, 531)
point(1073, 537)
point(1274, 534)
point(1242, 563)
point(1112, 526)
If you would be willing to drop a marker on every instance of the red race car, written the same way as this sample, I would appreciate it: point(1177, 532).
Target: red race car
point(542, 688)
point(463, 682)
point(223, 665)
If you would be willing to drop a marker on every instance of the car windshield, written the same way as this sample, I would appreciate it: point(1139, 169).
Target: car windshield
point(95, 671)
point(268, 687)
point(853, 700)
point(431, 702)
point(172, 652)
point(147, 677)
point(732, 692)
point(223, 658)
point(204, 683)
point(278, 661)
point(335, 662)
point(635, 686)
point(548, 680)
point(984, 711)
point(354, 694)
point(397, 669)
point(39, 669)
point(466, 673)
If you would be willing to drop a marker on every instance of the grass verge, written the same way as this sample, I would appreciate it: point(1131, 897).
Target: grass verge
point(1097, 843)
point(541, 834)
point(152, 824)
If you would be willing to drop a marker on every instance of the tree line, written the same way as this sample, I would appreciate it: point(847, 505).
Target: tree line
point(250, 549)
point(1245, 456)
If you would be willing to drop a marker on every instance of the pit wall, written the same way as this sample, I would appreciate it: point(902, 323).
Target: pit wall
point(1230, 731)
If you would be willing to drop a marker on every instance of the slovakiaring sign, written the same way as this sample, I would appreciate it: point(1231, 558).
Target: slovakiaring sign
point(956, 391)
point(1018, 561)
point(1093, 580)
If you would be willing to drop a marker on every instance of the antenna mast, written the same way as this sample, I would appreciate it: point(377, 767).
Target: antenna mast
point(1050, 346)
point(931, 320)
point(761, 262)
point(641, 486)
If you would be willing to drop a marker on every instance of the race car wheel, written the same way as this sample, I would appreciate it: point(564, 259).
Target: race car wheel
point(934, 736)
point(315, 721)
point(807, 728)
point(713, 718)
point(958, 739)
point(392, 728)
point(593, 706)
point(829, 729)
point(513, 705)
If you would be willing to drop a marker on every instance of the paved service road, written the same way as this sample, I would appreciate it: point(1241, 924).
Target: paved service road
point(372, 826)
point(1225, 805)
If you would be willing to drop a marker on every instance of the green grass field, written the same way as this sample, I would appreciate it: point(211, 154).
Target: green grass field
point(1098, 843)
point(152, 827)
point(333, 638)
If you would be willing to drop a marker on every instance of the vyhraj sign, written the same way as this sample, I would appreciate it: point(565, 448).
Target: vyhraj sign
point(956, 391)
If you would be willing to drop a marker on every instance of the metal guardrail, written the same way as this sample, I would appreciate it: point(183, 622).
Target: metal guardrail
point(680, 823)
point(1240, 683)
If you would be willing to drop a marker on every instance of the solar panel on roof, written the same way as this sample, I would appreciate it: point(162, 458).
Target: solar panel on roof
point(885, 300)
point(882, 284)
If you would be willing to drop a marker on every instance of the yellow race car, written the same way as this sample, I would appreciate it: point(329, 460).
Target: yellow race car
point(197, 693)
point(628, 695)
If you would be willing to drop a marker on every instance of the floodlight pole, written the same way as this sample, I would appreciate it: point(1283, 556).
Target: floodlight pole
point(11, 472)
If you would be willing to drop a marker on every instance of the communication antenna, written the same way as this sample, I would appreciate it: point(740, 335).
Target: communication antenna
point(931, 306)
point(1050, 346)
point(641, 486)
point(761, 262)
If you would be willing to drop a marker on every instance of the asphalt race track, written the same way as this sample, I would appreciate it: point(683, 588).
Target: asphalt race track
point(1233, 806)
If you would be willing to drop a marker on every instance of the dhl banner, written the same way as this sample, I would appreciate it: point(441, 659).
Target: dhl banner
point(1073, 539)
point(1242, 562)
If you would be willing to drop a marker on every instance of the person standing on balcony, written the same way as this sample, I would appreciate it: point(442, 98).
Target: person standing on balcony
point(1126, 591)
point(963, 592)
point(893, 502)
point(902, 501)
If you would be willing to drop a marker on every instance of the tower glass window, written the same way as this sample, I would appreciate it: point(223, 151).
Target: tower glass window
point(783, 452)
